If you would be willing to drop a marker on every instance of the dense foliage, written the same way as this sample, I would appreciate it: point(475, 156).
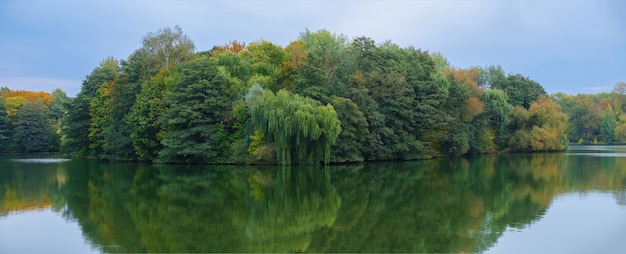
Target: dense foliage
point(320, 99)
point(29, 121)
point(596, 118)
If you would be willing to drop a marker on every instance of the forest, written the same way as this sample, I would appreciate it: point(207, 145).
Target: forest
point(323, 98)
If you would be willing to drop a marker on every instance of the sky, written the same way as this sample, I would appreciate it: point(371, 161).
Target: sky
point(570, 46)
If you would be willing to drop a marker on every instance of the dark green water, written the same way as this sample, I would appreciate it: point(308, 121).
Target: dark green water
point(540, 203)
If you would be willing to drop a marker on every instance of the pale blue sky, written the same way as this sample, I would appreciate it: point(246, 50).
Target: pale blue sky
point(573, 46)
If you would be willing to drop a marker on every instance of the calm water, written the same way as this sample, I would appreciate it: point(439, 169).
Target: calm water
point(572, 202)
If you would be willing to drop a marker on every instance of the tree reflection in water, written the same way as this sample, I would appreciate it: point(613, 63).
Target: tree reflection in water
point(451, 205)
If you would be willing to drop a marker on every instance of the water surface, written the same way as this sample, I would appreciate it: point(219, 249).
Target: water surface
point(521, 203)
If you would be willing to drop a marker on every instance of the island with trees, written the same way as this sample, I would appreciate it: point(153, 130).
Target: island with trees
point(323, 98)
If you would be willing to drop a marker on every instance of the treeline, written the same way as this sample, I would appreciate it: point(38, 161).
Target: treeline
point(29, 121)
point(322, 98)
point(596, 118)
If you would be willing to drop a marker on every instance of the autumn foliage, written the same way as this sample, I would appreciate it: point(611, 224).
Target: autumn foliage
point(29, 96)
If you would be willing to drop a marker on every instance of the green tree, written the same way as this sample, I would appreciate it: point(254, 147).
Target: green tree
point(237, 69)
point(325, 54)
point(462, 106)
point(99, 111)
point(361, 91)
point(519, 127)
point(33, 132)
point(144, 116)
point(77, 120)
point(521, 90)
point(57, 105)
point(118, 101)
point(490, 75)
point(168, 47)
point(194, 129)
point(354, 131)
point(608, 125)
point(496, 112)
point(12, 106)
point(584, 116)
point(302, 130)
point(265, 60)
point(6, 130)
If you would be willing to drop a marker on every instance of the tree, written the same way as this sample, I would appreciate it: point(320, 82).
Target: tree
point(237, 71)
point(168, 46)
point(77, 120)
point(288, 70)
point(497, 109)
point(350, 142)
point(197, 104)
point(429, 92)
point(585, 118)
point(608, 125)
point(265, 60)
point(57, 104)
point(302, 130)
point(12, 106)
point(490, 75)
point(519, 128)
point(116, 102)
point(620, 129)
point(33, 132)
point(620, 88)
point(462, 106)
point(521, 90)
point(99, 112)
point(144, 116)
point(325, 54)
point(549, 125)
point(6, 130)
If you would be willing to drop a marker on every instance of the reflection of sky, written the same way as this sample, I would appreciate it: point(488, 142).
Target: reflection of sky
point(574, 223)
point(51, 233)
point(600, 151)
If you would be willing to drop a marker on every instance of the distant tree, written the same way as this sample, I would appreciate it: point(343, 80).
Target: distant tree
point(168, 46)
point(620, 88)
point(608, 125)
point(6, 130)
point(548, 125)
point(585, 117)
point(33, 132)
point(29, 96)
point(57, 104)
point(491, 75)
point(12, 106)
point(520, 90)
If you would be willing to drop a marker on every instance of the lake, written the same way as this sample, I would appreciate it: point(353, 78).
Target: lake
point(571, 202)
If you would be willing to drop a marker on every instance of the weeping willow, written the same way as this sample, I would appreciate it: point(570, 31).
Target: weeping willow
point(302, 129)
